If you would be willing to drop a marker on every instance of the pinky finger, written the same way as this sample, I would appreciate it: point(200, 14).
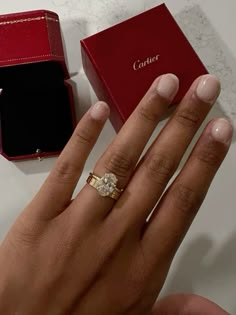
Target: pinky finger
point(179, 205)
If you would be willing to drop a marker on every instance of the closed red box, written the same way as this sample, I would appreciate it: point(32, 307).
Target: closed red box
point(121, 62)
point(36, 103)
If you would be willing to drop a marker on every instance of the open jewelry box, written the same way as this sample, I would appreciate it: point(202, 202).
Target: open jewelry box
point(37, 114)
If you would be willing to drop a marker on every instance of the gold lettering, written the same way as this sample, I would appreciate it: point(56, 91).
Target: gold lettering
point(138, 65)
point(135, 65)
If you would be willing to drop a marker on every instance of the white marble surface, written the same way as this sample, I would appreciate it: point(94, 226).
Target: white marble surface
point(206, 262)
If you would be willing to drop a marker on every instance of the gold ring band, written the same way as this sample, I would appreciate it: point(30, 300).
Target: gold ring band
point(105, 185)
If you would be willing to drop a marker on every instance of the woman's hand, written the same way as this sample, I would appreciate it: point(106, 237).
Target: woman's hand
point(186, 304)
point(95, 255)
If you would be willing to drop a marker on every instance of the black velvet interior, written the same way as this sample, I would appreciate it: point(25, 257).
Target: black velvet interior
point(35, 109)
point(28, 75)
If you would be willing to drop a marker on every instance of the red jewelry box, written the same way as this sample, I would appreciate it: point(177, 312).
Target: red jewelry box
point(37, 115)
point(122, 61)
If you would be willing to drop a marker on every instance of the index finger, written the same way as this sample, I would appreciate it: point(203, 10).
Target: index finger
point(56, 192)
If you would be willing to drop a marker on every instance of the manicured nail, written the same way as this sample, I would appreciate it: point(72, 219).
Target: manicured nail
point(222, 130)
point(208, 89)
point(100, 111)
point(168, 86)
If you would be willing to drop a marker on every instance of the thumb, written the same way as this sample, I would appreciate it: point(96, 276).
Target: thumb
point(186, 304)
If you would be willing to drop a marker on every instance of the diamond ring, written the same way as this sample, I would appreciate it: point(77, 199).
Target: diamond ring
point(106, 185)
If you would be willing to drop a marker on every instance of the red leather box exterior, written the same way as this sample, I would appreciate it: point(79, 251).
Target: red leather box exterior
point(27, 38)
point(122, 61)
point(30, 37)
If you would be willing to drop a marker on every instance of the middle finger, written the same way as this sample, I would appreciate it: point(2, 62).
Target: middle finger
point(122, 155)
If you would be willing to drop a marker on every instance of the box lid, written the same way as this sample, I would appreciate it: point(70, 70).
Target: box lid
point(31, 37)
point(129, 56)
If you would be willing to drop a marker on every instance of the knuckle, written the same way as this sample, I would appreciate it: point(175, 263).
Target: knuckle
point(83, 136)
point(24, 235)
point(209, 156)
point(187, 201)
point(148, 112)
point(119, 163)
point(188, 118)
point(62, 171)
point(160, 168)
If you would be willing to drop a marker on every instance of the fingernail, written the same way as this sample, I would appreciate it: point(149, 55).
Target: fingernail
point(222, 130)
point(100, 111)
point(208, 89)
point(168, 86)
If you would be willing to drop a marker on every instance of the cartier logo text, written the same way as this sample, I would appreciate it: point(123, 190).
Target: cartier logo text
point(140, 64)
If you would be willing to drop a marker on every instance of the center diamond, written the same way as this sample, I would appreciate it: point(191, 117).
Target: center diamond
point(107, 185)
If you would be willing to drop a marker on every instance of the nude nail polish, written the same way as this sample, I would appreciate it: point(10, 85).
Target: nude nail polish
point(168, 86)
point(100, 111)
point(208, 89)
point(222, 130)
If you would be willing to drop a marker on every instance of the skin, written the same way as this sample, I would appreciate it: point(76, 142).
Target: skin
point(93, 255)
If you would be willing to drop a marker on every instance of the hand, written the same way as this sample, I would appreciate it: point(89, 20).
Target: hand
point(95, 255)
point(186, 304)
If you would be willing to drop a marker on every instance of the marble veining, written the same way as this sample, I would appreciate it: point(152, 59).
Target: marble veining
point(214, 54)
point(191, 18)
